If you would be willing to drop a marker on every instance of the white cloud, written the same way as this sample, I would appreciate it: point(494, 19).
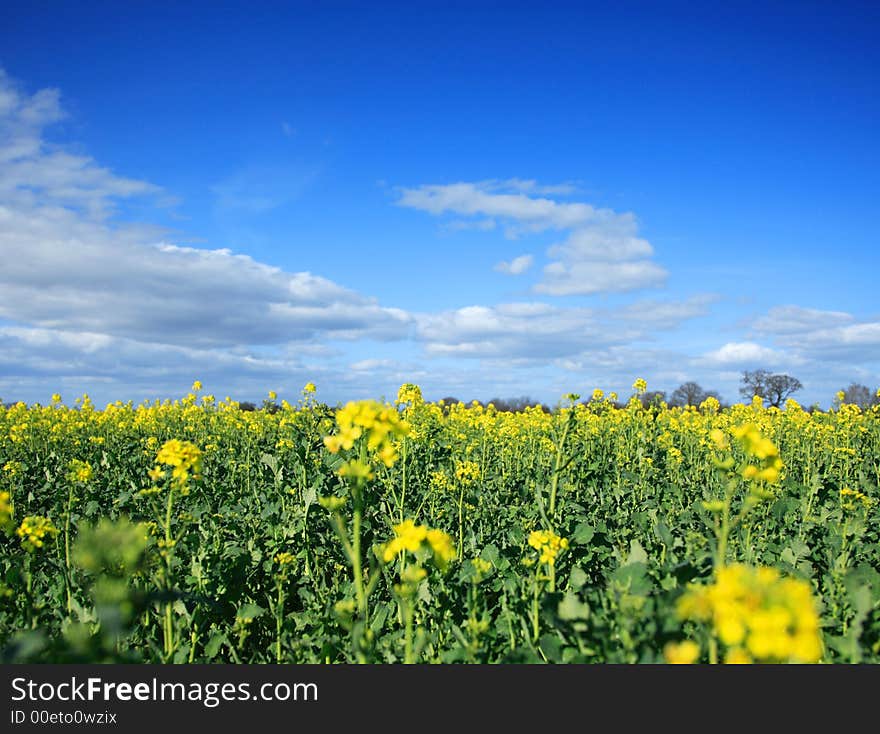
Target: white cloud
point(475, 199)
point(602, 252)
point(822, 335)
point(667, 314)
point(539, 332)
point(66, 267)
point(517, 266)
point(586, 277)
point(747, 354)
point(795, 320)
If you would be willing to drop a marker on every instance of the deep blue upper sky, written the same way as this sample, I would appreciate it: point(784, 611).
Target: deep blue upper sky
point(728, 157)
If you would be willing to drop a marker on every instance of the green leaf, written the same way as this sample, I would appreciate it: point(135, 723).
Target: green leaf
point(637, 554)
point(249, 611)
point(213, 646)
point(583, 533)
point(572, 608)
point(578, 578)
point(551, 647)
point(633, 579)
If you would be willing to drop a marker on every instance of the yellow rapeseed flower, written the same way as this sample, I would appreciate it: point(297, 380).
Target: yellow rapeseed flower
point(757, 613)
point(5, 510)
point(548, 544)
point(184, 458)
point(79, 471)
point(411, 537)
point(33, 530)
point(686, 652)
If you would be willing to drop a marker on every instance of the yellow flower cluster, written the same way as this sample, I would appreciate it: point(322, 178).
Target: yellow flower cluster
point(33, 529)
point(13, 469)
point(409, 393)
point(411, 537)
point(467, 473)
point(548, 544)
point(758, 614)
point(850, 499)
point(686, 652)
point(481, 569)
point(284, 559)
point(759, 447)
point(379, 423)
point(5, 509)
point(184, 458)
point(640, 386)
point(79, 472)
point(440, 482)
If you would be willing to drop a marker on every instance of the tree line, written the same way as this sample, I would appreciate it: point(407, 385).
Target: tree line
point(773, 389)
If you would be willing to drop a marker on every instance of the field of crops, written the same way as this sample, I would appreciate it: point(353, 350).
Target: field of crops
point(194, 531)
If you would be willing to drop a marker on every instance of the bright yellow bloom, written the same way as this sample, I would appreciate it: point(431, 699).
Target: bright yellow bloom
point(13, 469)
point(184, 458)
point(79, 471)
point(355, 469)
point(548, 544)
point(380, 424)
point(284, 559)
point(640, 386)
point(737, 656)
point(33, 530)
point(442, 547)
point(467, 473)
point(719, 439)
point(409, 393)
point(411, 537)
point(757, 613)
point(309, 388)
point(757, 446)
point(407, 537)
point(686, 652)
point(851, 499)
point(5, 509)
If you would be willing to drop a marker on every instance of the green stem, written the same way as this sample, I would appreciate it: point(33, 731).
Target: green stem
point(403, 482)
point(279, 621)
point(408, 656)
point(461, 522)
point(67, 547)
point(536, 630)
point(168, 620)
point(356, 565)
point(554, 482)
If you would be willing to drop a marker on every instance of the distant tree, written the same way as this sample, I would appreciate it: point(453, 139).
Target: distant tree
point(246, 406)
point(773, 388)
point(653, 398)
point(448, 403)
point(689, 393)
point(754, 383)
point(857, 394)
point(514, 405)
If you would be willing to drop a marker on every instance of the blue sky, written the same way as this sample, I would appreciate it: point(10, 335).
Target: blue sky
point(489, 199)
